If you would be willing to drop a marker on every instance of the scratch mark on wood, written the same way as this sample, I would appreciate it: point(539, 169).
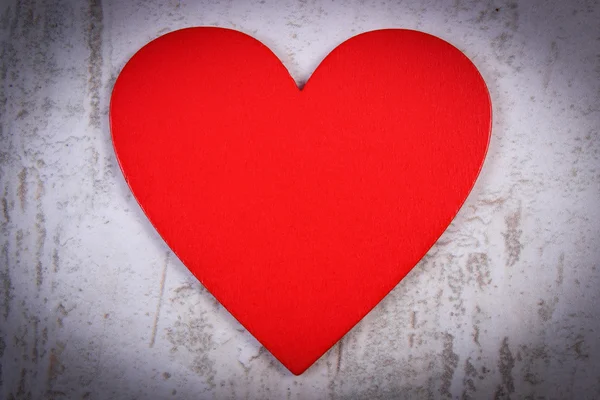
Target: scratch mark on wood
point(550, 63)
point(160, 300)
point(506, 363)
point(478, 266)
point(64, 312)
point(55, 366)
point(22, 188)
point(23, 385)
point(339, 356)
point(476, 335)
point(560, 269)
point(94, 39)
point(35, 351)
point(450, 362)
point(546, 308)
point(55, 256)
point(5, 206)
point(512, 237)
point(1, 353)
point(7, 286)
point(40, 225)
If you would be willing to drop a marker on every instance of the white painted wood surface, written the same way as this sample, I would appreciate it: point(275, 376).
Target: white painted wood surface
point(93, 304)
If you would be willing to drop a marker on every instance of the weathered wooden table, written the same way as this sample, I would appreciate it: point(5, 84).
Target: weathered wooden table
point(93, 304)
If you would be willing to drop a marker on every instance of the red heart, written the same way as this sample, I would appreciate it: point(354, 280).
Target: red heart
point(299, 210)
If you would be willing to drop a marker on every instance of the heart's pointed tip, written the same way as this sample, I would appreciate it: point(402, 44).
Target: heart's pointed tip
point(298, 367)
point(297, 371)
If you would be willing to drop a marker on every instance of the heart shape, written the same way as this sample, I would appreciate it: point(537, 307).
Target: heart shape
point(299, 210)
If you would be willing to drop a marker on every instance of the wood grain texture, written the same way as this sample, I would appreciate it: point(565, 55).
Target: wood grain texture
point(504, 306)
